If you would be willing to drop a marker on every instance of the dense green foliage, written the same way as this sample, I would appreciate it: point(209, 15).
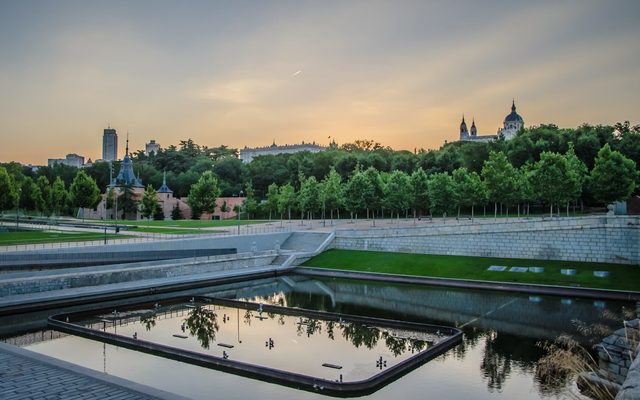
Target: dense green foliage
point(8, 192)
point(366, 178)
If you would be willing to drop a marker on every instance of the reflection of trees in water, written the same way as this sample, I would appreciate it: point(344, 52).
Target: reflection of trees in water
point(148, 320)
point(308, 326)
point(495, 366)
point(330, 326)
point(399, 345)
point(360, 334)
point(202, 323)
point(472, 336)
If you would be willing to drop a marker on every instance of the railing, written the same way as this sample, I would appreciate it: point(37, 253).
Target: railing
point(275, 226)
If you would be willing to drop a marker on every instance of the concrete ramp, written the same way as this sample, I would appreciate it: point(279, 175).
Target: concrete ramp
point(305, 241)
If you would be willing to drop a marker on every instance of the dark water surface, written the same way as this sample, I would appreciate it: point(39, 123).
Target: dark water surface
point(497, 359)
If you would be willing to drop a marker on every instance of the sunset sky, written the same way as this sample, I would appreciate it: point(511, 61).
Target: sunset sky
point(245, 73)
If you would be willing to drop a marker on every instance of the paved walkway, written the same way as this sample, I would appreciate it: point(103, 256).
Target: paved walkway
point(28, 375)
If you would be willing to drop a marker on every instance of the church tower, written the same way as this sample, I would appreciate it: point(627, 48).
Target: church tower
point(474, 130)
point(464, 133)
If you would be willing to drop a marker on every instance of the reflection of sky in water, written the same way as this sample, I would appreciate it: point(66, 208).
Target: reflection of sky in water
point(496, 360)
point(298, 344)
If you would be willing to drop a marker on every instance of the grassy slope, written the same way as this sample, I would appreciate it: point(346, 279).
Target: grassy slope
point(31, 237)
point(623, 277)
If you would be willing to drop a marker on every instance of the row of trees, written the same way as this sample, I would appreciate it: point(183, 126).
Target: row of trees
point(555, 179)
point(185, 165)
point(47, 198)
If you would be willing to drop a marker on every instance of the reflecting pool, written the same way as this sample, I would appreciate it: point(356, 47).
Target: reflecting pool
point(496, 359)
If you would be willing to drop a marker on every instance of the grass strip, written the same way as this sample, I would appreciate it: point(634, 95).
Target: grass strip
point(622, 277)
point(37, 237)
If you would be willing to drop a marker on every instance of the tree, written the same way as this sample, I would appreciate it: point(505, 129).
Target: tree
point(149, 204)
point(420, 186)
point(110, 198)
point(374, 194)
point(250, 204)
point(552, 179)
point(286, 199)
point(59, 196)
point(128, 204)
point(272, 199)
point(224, 208)
point(500, 179)
point(613, 177)
point(176, 214)
point(8, 192)
point(440, 193)
point(332, 192)
point(158, 214)
point(30, 195)
point(45, 191)
point(579, 169)
point(84, 192)
point(397, 192)
point(476, 192)
point(203, 194)
point(309, 195)
point(355, 193)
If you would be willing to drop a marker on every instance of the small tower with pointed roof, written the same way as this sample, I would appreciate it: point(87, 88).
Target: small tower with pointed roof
point(464, 133)
point(474, 130)
point(164, 189)
point(126, 176)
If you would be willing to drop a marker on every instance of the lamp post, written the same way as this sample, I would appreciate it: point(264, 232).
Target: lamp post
point(239, 207)
point(18, 208)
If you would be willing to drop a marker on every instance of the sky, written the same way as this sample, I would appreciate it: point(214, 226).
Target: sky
point(247, 73)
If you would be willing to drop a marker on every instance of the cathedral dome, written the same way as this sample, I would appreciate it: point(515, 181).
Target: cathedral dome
point(513, 116)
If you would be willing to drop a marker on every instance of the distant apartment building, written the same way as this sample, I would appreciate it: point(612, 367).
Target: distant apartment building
point(151, 147)
point(109, 145)
point(248, 154)
point(72, 160)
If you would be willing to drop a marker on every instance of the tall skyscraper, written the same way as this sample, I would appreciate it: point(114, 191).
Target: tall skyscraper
point(110, 145)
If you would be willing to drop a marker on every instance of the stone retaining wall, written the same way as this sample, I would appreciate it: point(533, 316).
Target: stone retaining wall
point(611, 239)
point(617, 352)
point(24, 283)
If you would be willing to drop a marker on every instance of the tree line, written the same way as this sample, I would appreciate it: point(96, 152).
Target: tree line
point(591, 165)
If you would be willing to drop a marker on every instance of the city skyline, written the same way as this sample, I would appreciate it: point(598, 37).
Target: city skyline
point(243, 73)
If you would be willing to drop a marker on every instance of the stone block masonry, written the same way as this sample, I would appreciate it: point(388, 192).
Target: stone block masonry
point(608, 239)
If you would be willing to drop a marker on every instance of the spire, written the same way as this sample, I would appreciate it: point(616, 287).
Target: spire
point(513, 105)
point(126, 151)
point(474, 131)
point(164, 188)
point(463, 128)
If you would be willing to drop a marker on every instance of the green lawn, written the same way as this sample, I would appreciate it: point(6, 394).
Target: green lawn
point(623, 277)
point(174, 230)
point(36, 237)
point(183, 223)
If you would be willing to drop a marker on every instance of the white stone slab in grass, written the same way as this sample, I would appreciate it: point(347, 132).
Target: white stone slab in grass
point(568, 271)
point(498, 268)
point(518, 269)
point(601, 274)
point(537, 270)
